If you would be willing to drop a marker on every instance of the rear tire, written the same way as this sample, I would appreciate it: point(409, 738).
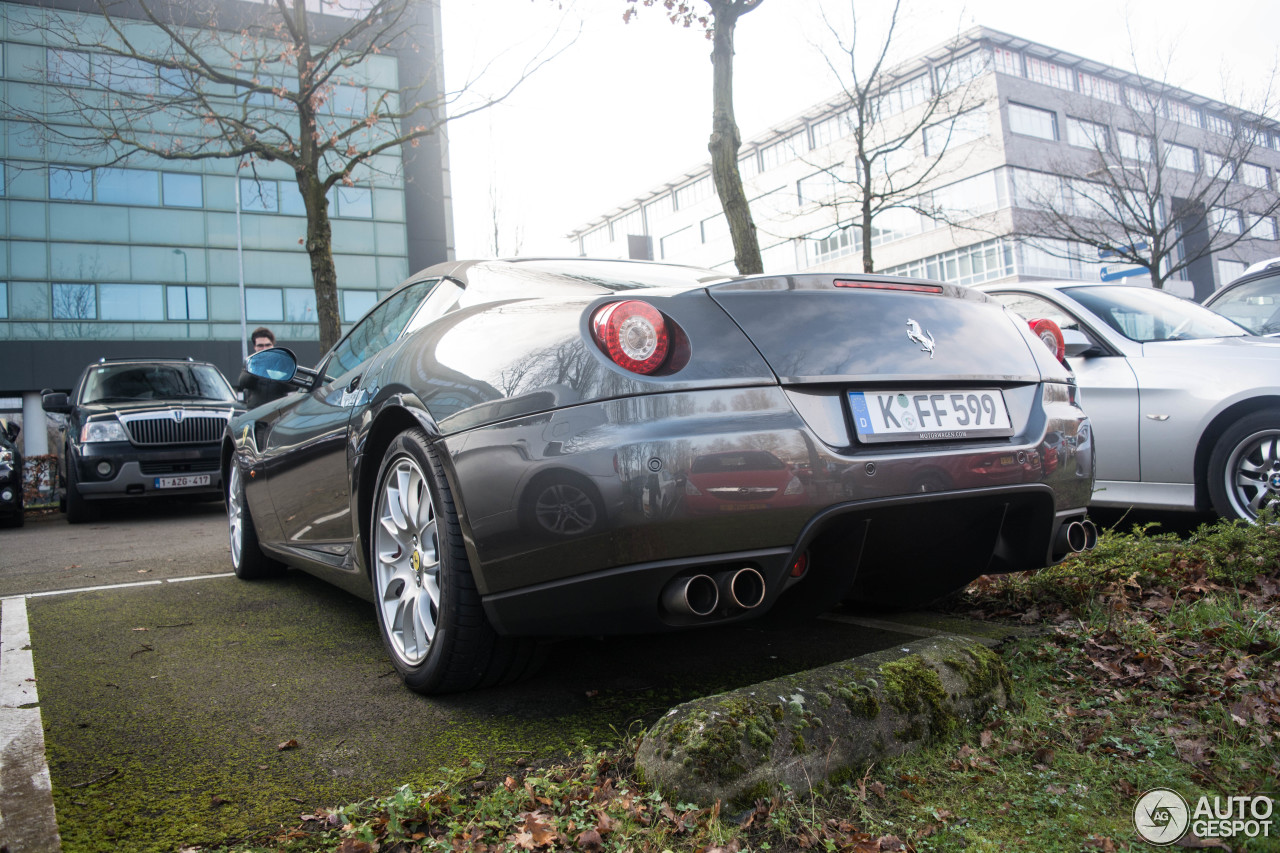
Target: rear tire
point(429, 612)
point(1244, 468)
point(79, 510)
point(247, 558)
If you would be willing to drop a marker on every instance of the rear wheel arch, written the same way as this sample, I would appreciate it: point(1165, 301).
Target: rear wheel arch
point(1209, 439)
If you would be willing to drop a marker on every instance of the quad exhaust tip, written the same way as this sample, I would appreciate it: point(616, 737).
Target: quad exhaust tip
point(1077, 536)
point(742, 588)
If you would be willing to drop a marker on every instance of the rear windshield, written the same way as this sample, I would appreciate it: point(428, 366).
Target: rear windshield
point(162, 381)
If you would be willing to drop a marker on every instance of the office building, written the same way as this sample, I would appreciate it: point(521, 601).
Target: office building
point(144, 257)
point(1031, 115)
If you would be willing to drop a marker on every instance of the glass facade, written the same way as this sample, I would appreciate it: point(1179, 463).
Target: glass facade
point(138, 249)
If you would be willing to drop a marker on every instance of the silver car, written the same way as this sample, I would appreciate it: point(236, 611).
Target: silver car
point(1184, 404)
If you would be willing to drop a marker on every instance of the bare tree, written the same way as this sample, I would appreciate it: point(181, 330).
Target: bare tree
point(254, 82)
point(1155, 182)
point(897, 124)
point(725, 141)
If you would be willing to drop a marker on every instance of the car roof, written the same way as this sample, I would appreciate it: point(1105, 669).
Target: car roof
point(1259, 274)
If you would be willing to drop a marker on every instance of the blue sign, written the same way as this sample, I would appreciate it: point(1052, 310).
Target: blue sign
point(1113, 272)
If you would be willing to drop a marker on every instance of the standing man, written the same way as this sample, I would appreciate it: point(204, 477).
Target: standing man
point(256, 389)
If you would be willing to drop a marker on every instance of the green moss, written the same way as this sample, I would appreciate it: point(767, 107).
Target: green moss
point(860, 699)
point(716, 741)
point(798, 745)
point(981, 670)
point(761, 790)
point(914, 688)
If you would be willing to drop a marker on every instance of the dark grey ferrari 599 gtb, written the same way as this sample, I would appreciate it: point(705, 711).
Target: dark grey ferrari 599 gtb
point(506, 450)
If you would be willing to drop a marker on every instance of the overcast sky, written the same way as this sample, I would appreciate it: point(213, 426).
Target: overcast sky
point(626, 107)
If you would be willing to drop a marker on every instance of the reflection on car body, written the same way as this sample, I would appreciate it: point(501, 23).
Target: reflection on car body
point(505, 450)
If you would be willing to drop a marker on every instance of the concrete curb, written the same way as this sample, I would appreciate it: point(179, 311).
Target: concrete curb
point(823, 725)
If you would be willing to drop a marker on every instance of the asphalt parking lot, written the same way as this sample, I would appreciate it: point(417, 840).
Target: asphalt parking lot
point(183, 706)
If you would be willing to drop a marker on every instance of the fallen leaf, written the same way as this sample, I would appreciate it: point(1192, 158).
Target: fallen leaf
point(289, 744)
point(589, 841)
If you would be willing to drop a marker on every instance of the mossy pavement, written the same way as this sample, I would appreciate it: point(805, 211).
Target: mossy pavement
point(165, 708)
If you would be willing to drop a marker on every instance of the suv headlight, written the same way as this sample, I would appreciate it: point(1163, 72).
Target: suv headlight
point(97, 431)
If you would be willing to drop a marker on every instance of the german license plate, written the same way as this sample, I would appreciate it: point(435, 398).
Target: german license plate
point(929, 415)
point(182, 482)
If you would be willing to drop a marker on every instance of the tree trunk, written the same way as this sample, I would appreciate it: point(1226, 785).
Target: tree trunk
point(320, 247)
point(868, 264)
point(725, 139)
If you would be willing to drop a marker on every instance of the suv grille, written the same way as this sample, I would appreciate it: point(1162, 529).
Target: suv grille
point(194, 429)
point(152, 469)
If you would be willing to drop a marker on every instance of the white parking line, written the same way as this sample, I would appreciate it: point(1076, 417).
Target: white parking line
point(28, 823)
point(27, 819)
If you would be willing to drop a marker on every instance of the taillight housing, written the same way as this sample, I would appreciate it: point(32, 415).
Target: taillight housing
point(634, 334)
point(1048, 331)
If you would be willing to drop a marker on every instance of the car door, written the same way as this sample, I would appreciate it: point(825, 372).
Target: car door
point(306, 453)
point(1108, 386)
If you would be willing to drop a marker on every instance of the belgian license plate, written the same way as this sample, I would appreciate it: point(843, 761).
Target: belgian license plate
point(182, 482)
point(929, 415)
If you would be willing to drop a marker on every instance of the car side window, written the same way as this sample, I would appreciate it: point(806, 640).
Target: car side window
point(1031, 307)
point(1255, 305)
point(441, 301)
point(379, 329)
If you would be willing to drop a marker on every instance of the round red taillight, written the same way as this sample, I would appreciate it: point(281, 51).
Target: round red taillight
point(1048, 331)
point(633, 334)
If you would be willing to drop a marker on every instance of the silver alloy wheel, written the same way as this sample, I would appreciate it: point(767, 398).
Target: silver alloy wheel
point(565, 509)
point(1253, 474)
point(407, 562)
point(235, 514)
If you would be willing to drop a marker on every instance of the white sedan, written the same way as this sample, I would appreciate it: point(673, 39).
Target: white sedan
point(1184, 404)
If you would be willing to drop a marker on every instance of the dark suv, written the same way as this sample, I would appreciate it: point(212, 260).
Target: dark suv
point(139, 427)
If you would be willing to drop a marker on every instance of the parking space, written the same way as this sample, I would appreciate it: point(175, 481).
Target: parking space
point(198, 707)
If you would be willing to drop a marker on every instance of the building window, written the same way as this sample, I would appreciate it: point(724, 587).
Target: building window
point(595, 241)
point(127, 186)
point(844, 241)
point(1133, 147)
point(690, 194)
point(817, 187)
point(1218, 167)
point(658, 210)
point(1032, 121)
point(1224, 220)
point(629, 223)
point(903, 97)
point(132, 302)
point(715, 228)
point(1086, 134)
point(4, 300)
point(124, 75)
point(1099, 87)
point(1049, 74)
point(262, 304)
point(1007, 61)
point(1218, 124)
point(75, 302)
point(1261, 227)
point(344, 101)
point(830, 129)
point(677, 243)
point(1253, 175)
point(67, 67)
point(352, 202)
point(187, 302)
point(356, 303)
point(970, 265)
point(182, 190)
point(1181, 157)
point(1183, 113)
point(782, 151)
point(961, 130)
point(259, 196)
point(300, 305)
point(68, 184)
point(962, 70)
point(1229, 271)
point(291, 202)
point(969, 197)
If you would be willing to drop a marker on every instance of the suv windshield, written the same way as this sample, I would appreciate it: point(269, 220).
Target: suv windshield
point(1255, 305)
point(1145, 315)
point(156, 381)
